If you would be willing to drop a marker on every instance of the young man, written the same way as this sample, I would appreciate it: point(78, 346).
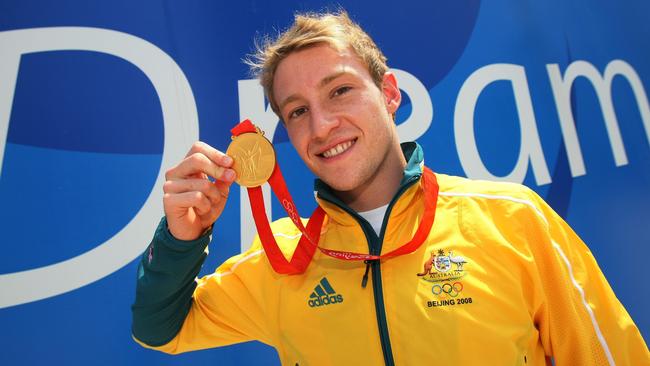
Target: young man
point(499, 278)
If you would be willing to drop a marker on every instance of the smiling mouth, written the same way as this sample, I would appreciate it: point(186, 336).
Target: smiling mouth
point(338, 149)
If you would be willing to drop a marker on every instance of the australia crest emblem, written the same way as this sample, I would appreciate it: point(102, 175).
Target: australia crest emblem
point(440, 267)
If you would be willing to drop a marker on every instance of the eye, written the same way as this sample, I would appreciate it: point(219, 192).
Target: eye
point(297, 112)
point(341, 90)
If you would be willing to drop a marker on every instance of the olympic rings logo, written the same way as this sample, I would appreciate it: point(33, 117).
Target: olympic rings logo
point(447, 289)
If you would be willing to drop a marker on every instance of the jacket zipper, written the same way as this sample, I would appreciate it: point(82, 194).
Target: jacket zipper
point(380, 311)
point(375, 244)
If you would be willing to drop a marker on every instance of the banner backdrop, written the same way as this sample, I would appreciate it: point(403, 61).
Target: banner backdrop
point(98, 99)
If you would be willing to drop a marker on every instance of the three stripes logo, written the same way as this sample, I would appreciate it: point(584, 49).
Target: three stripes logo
point(324, 294)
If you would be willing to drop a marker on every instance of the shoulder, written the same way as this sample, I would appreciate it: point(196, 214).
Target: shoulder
point(499, 214)
point(454, 185)
point(489, 195)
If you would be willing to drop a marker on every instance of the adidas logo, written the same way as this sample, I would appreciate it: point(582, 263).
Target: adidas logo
point(324, 294)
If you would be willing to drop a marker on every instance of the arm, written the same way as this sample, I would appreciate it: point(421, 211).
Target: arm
point(175, 312)
point(167, 300)
point(165, 284)
point(580, 320)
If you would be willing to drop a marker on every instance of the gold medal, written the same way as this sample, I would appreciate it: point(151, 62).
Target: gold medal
point(254, 158)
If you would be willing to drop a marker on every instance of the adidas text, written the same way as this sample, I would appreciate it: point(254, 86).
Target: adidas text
point(325, 300)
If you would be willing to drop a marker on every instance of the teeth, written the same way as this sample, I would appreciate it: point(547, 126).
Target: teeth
point(338, 149)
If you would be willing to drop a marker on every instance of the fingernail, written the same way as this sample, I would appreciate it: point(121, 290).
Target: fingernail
point(229, 174)
point(227, 160)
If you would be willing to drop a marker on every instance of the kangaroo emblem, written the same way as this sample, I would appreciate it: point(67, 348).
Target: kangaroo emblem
point(428, 265)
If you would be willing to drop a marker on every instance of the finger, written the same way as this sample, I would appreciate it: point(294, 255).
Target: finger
point(223, 188)
point(210, 217)
point(190, 185)
point(209, 189)
point(213, 154)
point(197, 163)
point(186, 200)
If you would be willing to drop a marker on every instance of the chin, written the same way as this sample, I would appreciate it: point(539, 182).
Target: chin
point(341, 183)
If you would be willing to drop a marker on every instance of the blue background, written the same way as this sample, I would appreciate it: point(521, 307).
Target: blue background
point(85, 140)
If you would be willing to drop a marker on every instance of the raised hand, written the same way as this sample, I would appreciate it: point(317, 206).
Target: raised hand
point(192, 201)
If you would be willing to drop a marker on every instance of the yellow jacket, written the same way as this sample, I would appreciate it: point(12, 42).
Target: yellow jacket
point(501, 280)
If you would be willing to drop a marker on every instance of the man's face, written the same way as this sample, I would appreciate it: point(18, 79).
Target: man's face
point(338, 119)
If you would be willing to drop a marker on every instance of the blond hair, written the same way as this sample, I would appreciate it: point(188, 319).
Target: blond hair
point(334, 29)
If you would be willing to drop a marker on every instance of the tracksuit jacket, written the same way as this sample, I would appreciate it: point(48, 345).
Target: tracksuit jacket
point(500, 280)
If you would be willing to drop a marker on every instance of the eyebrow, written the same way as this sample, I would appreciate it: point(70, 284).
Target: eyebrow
point(329, 78)
point(326, 80)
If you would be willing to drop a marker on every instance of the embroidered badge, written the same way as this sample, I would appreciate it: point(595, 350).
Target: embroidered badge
point(440, 267)
point(445, 272)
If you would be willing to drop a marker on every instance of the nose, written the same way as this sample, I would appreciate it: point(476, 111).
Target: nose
point(323, 122)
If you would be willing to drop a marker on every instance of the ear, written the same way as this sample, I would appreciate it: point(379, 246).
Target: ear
point(392, 94)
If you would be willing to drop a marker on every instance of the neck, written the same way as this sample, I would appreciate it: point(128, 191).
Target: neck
point(380, 188)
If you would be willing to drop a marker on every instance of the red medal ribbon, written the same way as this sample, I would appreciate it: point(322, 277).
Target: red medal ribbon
point(308, 243)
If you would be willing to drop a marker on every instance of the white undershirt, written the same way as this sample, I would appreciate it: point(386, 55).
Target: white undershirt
point(375, 217)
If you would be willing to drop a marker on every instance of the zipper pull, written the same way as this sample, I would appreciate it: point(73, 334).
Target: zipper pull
point(364, 281)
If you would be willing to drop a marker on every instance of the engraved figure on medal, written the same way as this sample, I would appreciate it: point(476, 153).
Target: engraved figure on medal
point(254, 159)
point(250, 161)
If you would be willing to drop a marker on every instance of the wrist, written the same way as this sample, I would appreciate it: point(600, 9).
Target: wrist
point(186, 238)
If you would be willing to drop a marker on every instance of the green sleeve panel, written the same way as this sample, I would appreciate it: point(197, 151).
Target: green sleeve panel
point(165, 284)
